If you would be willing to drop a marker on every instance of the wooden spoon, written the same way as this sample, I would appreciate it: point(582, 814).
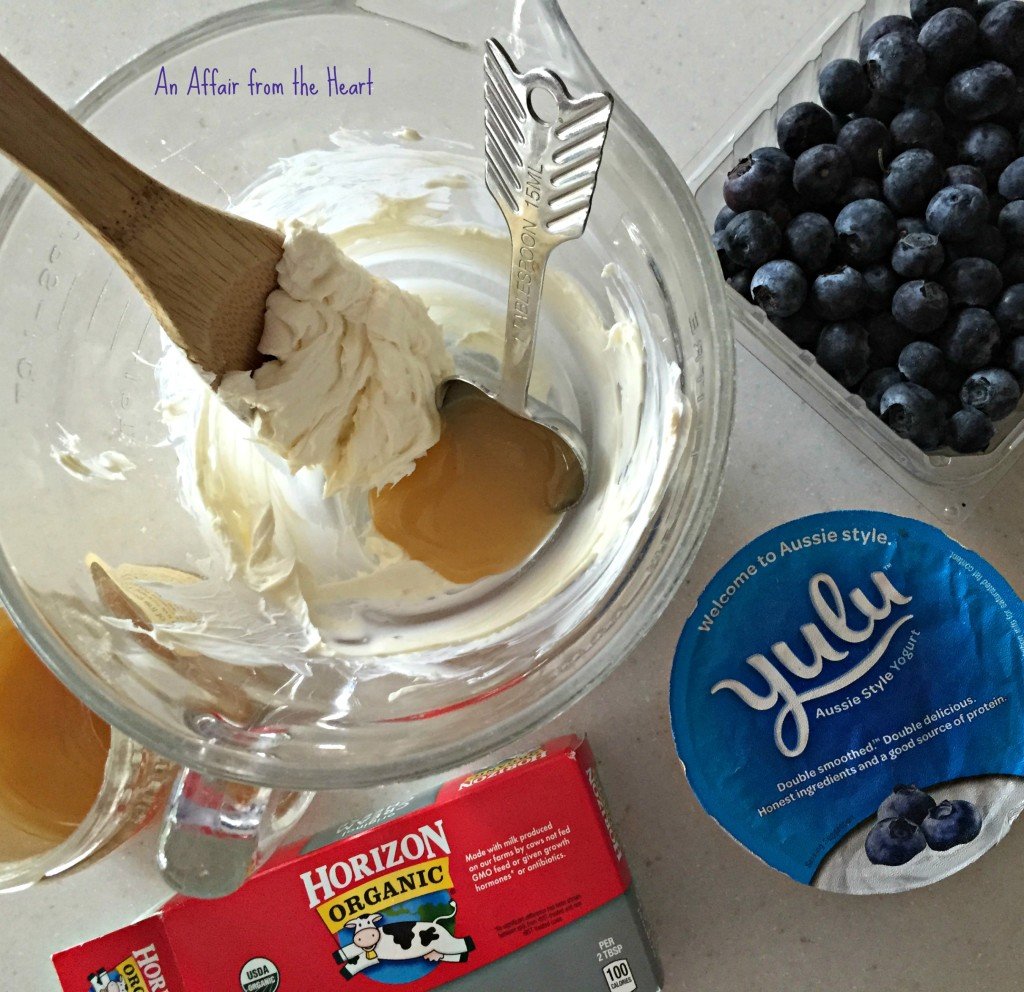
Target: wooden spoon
point(205, 273)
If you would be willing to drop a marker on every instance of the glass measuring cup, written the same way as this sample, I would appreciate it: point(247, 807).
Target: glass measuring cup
point(81, 385)
point(134, 782)
point(71, 789)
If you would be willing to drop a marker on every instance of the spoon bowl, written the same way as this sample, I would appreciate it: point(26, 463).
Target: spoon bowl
point(570, 439)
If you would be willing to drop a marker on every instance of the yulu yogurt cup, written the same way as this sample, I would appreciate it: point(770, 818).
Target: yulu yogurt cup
point(848, 702)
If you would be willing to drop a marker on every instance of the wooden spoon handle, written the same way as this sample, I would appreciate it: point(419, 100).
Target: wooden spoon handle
point(95, 184)
point(205, 273)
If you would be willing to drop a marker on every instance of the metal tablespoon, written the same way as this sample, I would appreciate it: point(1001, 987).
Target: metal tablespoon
point(543, 152)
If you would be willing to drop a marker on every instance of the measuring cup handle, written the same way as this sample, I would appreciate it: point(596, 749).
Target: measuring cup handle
point(216, 832)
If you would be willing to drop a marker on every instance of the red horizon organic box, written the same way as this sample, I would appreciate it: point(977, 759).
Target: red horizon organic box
point(508, 878)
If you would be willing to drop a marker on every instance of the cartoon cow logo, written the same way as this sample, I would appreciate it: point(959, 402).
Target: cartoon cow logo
point(105, 981)
point(375, 942)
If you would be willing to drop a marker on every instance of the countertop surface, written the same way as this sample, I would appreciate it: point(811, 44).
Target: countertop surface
point(722, 920)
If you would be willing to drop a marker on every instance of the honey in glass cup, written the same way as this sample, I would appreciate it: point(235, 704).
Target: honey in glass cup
point(71, 788)
point(53, 752)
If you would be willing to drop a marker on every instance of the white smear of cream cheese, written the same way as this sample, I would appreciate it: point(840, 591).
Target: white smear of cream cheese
point(354, 367)
point(111, 466)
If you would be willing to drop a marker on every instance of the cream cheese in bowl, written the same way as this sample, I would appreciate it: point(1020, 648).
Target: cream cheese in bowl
point(304, 543)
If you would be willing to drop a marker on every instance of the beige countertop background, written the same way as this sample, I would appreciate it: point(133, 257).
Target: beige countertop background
point(723, 921)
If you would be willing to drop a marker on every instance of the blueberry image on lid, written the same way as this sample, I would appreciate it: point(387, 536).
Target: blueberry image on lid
point(906, 801)
point(894, 842)
point(951, 824)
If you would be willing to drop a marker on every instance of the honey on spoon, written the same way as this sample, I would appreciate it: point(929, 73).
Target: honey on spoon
point(485, 497)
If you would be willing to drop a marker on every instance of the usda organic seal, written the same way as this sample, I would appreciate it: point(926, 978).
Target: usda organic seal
point(848, 702)
point(259, 975)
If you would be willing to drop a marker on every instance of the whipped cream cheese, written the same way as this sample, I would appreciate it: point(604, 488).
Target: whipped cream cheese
point(355, 366)
point(289, 576)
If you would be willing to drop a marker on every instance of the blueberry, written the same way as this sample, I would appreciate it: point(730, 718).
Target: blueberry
point(887, 338)
point(843, 352)
point(1011, 223)
point(1009, 311)
point(809, 241)
point(867, 145)
point(1012, 114)
point(1002, 33)
point(719, 241)
point(949, 403)
point(918, 256)
point(950, 41)
point(839, 294)
point(957, 213)
point(994, 392)
point(907, 801)
point(996, 205)
point(803, 329)
point(915, 128)
point(914, 413)
point(880, 284)
point(911, 225)
point(753, 185)
point(759, 180)
point(725, 215)
point(954, 823)
point(913, 178)
point(1012, 267)
point(866, 230)
point(894, 64)
point(956, 129)
point(775, 157)
point(988, 147)
point(886, 25)
point(966, 175)
point(1014, 358)
point(779, 288)
point(1011, 182)
point(921, 306)
point(781, 213)
point(821, 173)
point(894, 842)
point(980, 92)
point(860, 188)
point(844, 87)
point(741, 283)
point(881, 108)
point(875, 384)
point(970, 431)
point(973, 282)
point(984, 7)
point(923, 10)
point(971, 339)
point(925, 96)
point(924, 363)
point(751, 239)
point(989, 244)
point(804, 126)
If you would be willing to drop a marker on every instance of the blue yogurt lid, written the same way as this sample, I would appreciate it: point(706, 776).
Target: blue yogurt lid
point(847, 701)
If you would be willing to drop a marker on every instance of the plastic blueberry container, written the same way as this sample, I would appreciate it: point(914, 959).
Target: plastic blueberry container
point(946, 484)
